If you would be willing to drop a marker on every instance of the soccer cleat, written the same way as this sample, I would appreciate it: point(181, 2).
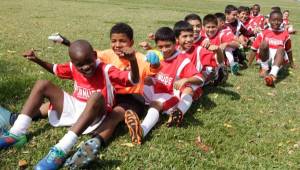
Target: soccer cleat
point(270, 80)
point(263, 73)
point(235, 68)
point(134, 125)
point(175, 119)
point(86, 153)
point(8, 139)
point(57, 38)
point(54, 160)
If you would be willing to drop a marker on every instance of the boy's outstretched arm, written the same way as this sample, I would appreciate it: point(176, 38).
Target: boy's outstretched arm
point(30, 55)
point(129, 54)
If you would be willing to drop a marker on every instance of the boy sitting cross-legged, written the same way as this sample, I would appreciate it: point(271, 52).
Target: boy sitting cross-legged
point(162, 91)
point(92, 98)
point(274, 47)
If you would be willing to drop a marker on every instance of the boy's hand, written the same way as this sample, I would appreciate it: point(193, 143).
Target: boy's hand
point(57, 38)
point(152, 58)
point(128, 53)
point(180, 83)
point(145, 45)
point(206, 43)
point(151, 36)
point(213, 48)
point(223, 46)
point(30, 55)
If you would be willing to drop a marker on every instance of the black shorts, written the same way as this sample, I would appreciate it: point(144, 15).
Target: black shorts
point(134, 102)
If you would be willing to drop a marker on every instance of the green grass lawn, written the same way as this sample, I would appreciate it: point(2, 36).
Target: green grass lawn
point(246, 124)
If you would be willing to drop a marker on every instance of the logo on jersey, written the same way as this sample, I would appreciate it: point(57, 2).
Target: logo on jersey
point(164, 79)
point(275, 42)
point(83, 93)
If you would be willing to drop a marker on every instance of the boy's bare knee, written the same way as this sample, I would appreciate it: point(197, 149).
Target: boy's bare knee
point(280, 51)
point(157, 105)
point(42, 84)
point(96, 99)
point(264, 46)
point(188, 90)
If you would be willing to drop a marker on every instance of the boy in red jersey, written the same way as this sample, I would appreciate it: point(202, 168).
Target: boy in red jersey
point(84, 111)
point(162, 91)
point(196, 22)
point(237, 29)
point(230, 40)
point(257, 20)
point(274, 46)
point(286, 23)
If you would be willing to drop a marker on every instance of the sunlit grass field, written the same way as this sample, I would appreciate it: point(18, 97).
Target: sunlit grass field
point(246, 124)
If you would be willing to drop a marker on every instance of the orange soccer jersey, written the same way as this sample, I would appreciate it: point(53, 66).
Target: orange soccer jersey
point(109, 57)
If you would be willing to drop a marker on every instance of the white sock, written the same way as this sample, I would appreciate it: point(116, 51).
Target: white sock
point(264, 65)
point(274, 70)
point(229, 55)
point(21, 125)
point(67, 142)
point(185, 103)
point(150, 120)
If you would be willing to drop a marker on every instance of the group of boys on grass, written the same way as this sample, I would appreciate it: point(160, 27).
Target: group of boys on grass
point(114, 85)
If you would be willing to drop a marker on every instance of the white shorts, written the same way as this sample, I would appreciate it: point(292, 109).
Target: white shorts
point(72, 109)
point(168, 100)
point(272, 53)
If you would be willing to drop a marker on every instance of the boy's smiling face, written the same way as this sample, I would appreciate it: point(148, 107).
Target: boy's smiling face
point(232, 16)
point(85, 63)
point(118, 41)
point(185, 40)
point(244, 16)
point(197, 25)
point(211, 29)
point(166, 47)
point(83, 57)
point(286, 15)
point(255, 10)
point(276, 21)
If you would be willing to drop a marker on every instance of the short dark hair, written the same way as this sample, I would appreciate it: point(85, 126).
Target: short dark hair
point(182, 26)
point(192, 17)
point(257, 5)
point(286, 11)
point(220, 16)
point(210, 18)
point(122, 28)
point(165, 34)
point(275, 12)
point(244, 9)
point(276, 8)
point(230, 8)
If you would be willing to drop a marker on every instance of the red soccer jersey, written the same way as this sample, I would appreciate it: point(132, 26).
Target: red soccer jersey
point(285, 21)
point(104, 80)
point(203, 58)
point(257, 21)
point(174, 68)
point(275, 39)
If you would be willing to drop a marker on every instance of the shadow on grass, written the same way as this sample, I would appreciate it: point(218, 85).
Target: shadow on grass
point(105, 164)
point(282, 74)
